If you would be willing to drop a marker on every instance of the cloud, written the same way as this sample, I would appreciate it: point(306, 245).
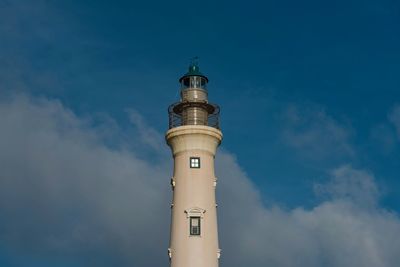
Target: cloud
point(147, 134)
point(357, 186)
point(64, 192)
point(347, 229)
point(315, 134)
point(65, 195)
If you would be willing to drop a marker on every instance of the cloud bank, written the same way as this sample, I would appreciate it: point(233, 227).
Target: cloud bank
point(68, 196)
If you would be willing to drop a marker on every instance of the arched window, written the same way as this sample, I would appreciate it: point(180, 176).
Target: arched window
point(195, 215)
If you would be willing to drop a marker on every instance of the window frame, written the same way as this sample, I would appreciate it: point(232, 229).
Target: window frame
point(192, 164)
point(191, 227)
point(203, 83)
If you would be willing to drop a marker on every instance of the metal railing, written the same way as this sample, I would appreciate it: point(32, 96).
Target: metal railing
point(176, 117)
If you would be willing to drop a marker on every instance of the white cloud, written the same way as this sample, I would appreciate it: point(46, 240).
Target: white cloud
point(64, 193)
point(348, 229)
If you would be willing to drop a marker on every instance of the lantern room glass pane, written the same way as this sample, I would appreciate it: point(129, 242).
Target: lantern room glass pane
point(194, 82)
point(203, 83)
point(185, 83)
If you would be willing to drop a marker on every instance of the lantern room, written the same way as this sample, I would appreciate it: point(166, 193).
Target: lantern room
point(193, 108)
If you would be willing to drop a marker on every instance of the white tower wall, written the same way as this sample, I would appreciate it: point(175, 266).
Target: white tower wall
point(194, 196)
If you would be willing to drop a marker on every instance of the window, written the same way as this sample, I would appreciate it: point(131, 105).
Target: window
point(194, 162)
point(203, 83)
point(186, 83)
point(194, 225)
point(194, 82)
point(194, 215)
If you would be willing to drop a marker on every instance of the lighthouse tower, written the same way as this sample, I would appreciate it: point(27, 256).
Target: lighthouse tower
point(194, 136)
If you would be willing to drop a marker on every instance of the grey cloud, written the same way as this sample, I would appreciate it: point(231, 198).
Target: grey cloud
point(65, 193)
point(357, 186)
point(147, 134)
point(62, 191)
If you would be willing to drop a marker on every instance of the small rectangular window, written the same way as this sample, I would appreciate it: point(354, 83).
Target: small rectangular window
point(194, 162)
point(194, 225)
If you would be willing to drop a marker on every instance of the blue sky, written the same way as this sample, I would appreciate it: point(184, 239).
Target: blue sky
point(309, 93)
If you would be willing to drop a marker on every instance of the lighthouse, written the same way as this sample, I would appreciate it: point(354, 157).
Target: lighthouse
point(193, 136)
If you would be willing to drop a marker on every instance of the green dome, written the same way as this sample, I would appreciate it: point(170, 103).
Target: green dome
point(194, 70)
